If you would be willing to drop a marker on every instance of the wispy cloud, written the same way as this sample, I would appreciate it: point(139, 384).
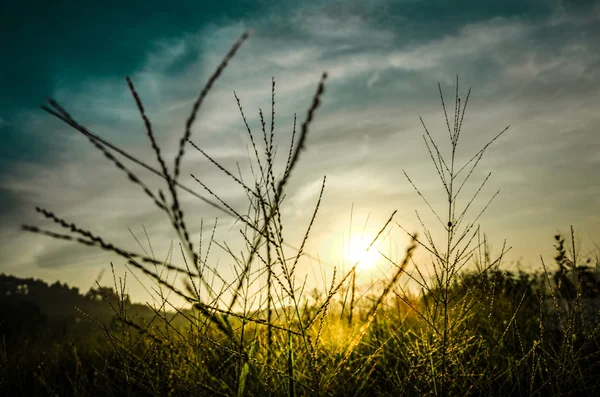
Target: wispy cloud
point(524, 73)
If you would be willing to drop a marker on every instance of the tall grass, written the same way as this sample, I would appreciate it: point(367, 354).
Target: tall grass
point(467, 331)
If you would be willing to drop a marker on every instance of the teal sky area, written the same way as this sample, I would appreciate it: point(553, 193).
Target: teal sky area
point(533, 65)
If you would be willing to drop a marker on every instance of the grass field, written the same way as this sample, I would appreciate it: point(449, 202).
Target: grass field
point(467, 328)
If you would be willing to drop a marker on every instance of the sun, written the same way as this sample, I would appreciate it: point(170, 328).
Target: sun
point(357, 251)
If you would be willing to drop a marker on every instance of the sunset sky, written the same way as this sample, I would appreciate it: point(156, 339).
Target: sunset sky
point(533, 65)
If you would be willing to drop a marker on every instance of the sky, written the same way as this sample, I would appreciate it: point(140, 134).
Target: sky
point(533, 65)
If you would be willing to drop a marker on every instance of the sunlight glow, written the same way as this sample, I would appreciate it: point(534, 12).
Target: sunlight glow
point(356, 251)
